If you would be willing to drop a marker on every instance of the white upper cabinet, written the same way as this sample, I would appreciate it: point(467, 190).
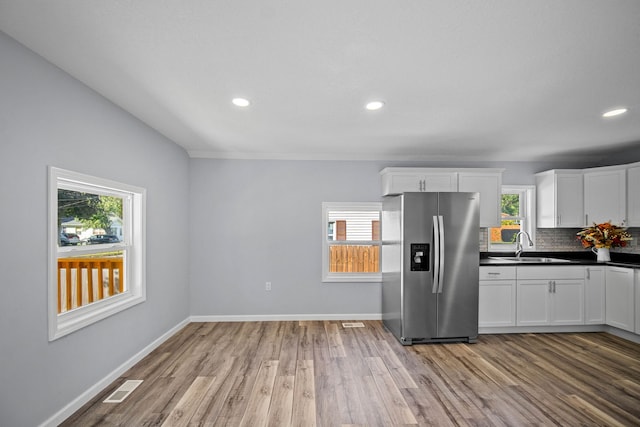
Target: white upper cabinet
point(560, 199)
point(487, 182)
point(403, 180)
point(633, 195)
point(605, 195)
point(574, 198)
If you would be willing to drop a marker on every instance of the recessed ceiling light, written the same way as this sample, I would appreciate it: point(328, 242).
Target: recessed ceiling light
point(616, 112)
point(241, 102)
point(374, 105)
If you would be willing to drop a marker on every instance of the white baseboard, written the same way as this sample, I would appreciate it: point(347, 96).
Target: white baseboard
point(89, 394)
point(629, 336)
point(285, 317)
point(558, 329)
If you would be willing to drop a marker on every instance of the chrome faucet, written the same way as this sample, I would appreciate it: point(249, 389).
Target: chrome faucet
point(519, 243)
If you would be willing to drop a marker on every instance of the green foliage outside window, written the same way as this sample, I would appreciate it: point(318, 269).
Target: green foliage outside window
point(511, 204)
point(93, 210)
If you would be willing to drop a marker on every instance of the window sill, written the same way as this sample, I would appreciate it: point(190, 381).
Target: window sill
point(353, 278)
point(79, 318)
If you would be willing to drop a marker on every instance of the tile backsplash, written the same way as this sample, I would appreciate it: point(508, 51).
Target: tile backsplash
point(563, 240)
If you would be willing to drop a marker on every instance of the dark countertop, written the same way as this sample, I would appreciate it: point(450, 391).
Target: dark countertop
point(585, 257)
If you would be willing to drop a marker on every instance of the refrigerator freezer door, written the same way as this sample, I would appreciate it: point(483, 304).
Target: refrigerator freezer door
point(458, 297)
point(391, 264)
point(418, 302)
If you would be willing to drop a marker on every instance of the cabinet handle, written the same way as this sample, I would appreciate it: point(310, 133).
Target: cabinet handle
point(554, 286)
point(550, 284)
point(491, 273)
point(586, 219)
point(588, 270)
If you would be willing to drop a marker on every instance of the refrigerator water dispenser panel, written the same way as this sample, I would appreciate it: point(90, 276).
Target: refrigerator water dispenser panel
point(420, 257)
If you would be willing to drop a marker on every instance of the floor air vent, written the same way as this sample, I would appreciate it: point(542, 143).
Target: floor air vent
point(353, 325)
point(123, 391)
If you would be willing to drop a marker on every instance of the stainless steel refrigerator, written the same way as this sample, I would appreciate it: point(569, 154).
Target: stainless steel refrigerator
point(430, 266)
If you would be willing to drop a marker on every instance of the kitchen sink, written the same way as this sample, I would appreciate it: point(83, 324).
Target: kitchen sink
point(531, 260)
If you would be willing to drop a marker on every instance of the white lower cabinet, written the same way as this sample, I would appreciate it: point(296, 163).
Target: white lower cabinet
point(550, 296)
point(497, 298)
point(594, 295)
point(534, 295)
point(637, 275)
point(620, 298)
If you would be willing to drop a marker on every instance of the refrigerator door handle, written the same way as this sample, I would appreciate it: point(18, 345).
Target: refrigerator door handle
point(441, 254)
point(436, 254)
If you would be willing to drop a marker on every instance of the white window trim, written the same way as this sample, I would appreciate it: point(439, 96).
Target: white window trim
point(134, 243)
point(346, 277)
point(529, 222)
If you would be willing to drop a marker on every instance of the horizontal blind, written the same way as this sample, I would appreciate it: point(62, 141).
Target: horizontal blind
point(359, 223)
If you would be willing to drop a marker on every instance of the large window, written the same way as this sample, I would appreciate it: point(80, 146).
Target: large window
point(96, 249)
point(351, 242)
point(518, 214)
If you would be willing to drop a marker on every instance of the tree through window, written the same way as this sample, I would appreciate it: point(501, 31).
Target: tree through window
point(516, 216)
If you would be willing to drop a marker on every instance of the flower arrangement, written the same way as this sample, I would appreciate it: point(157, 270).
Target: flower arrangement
point(605, 235)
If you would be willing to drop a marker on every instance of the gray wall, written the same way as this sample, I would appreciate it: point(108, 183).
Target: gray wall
point(48, 118)
point(257, 221)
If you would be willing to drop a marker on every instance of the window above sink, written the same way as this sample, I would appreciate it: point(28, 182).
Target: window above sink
point(518, 214)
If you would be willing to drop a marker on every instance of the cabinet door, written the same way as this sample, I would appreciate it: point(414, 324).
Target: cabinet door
point(637, 311)
point(489, 187)
point(605, 196)
point(560, 198)
point(633, 196)
point(417, 180)
point(497, 303)
point(567, 302)
point(440, 182)
point(594, 296)
point(533, 302)
point(620, 300)
point(570, 200)
point(398, 183)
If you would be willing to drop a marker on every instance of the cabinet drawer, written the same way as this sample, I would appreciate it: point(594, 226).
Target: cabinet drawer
point(497, 273)
point(553, 273)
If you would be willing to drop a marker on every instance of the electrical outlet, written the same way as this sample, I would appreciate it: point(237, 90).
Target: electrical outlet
point(267, 286)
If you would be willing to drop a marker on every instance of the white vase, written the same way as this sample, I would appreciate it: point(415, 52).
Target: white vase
point(603, 254)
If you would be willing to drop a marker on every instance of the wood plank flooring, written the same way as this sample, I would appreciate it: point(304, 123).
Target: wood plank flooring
point(321, 374)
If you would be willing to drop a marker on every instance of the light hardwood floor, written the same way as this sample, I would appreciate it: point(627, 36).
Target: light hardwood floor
point(319, 373)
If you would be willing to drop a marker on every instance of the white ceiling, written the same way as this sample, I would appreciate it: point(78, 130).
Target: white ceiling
point(461, 79)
